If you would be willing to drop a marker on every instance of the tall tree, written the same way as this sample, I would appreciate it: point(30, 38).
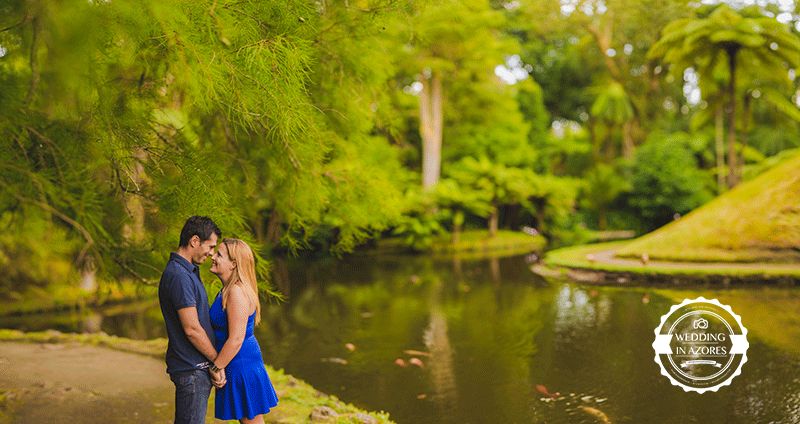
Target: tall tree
point(171, 108)
point(576, 45)
point(442, 55)
point(748, 37)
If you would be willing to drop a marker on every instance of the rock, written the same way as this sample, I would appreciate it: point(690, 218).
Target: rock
point(322, 414)
point(586, 276)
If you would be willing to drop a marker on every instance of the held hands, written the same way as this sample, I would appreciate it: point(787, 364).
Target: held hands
point(217, 377)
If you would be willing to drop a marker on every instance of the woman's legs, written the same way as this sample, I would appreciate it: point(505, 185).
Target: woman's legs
point(258, 419)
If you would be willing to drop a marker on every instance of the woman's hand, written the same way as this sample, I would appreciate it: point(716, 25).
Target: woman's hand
point(218, 377)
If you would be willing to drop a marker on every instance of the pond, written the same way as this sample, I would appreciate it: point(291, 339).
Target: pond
point(486, 341)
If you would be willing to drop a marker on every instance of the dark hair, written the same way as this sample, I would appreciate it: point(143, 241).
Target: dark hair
point(200, 226)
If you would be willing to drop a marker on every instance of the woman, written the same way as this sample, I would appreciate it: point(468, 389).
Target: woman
point(248, 392)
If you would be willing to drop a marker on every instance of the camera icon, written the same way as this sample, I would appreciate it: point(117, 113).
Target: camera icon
point(700, 323)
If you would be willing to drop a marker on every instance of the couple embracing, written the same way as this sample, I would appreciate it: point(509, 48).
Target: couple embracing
point(214, 345)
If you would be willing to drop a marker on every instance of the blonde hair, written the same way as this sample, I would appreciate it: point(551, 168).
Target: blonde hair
point(244, 275)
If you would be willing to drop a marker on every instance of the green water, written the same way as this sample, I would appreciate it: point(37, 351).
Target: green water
point(493, 332)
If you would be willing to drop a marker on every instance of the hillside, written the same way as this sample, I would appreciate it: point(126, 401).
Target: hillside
point(757, 221)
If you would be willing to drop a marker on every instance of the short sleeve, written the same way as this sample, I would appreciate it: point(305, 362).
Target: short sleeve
point(180, 291)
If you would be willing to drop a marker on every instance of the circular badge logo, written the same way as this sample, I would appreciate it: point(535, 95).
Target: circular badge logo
point(701, 345)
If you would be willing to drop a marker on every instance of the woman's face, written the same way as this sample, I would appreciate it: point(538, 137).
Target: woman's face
point(221, 263)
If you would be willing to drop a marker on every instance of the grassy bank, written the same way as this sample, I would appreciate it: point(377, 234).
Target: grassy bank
point(471, 244)
point(757, 221)
point(297, 398)
point(600, 258)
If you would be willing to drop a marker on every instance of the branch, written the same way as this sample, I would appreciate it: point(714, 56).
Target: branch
point(81, 229)
point(34, 61)
point(53, 148)
point(135, 274)
point(21, 22)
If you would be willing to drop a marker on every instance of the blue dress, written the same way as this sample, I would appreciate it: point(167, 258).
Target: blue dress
point(248, 391)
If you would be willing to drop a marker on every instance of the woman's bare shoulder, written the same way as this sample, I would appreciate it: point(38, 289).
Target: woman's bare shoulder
point(236, 293)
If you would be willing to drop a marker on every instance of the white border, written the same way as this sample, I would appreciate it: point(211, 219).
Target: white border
point(664, 372)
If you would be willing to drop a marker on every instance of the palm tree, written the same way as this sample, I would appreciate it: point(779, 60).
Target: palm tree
point(614, 109)
point(713, 87)
point(746, 37)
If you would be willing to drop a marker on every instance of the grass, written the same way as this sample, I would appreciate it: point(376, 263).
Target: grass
point(474, 244)
point(757, 221)
point(577, 257)
point(297, 398)
point(479, 241)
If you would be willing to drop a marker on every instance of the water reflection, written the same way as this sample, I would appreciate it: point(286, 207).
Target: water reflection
point(497, 344)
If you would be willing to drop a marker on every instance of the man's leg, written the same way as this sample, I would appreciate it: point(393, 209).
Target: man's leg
point(192, 389)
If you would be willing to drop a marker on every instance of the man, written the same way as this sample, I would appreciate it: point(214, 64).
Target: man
point(184, 305)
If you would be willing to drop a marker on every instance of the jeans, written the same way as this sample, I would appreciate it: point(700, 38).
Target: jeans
point(192, 389)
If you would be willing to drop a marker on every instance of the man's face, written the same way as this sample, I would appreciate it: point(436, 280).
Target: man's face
point(203, 249)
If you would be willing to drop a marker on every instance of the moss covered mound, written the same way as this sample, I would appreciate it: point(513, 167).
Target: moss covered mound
point(758, 221)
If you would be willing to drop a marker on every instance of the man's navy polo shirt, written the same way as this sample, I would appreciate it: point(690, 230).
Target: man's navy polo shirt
point(181, 287)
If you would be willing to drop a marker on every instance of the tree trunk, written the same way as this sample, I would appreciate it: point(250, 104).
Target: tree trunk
point(456, 236)
point(430, 117)
point(593, 140)
point(733, 177)
point(493, 218)
point(279, 270)
point(602, 220)
point(258, 227)
point(88, 275)
point(719, 147)
point(745, 130)
point(627, 139)
point(274, 229)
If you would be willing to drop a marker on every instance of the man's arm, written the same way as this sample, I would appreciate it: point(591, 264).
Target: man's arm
point(195, 333)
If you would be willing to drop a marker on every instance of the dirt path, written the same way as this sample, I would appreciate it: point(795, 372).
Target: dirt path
point(72, 383)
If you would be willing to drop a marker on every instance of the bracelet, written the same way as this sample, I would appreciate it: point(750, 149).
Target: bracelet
point(214, 367)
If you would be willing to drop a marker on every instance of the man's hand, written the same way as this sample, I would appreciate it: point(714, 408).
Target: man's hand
point(218, 378)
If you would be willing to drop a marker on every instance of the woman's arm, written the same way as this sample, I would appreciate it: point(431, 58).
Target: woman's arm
point(237, 308)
